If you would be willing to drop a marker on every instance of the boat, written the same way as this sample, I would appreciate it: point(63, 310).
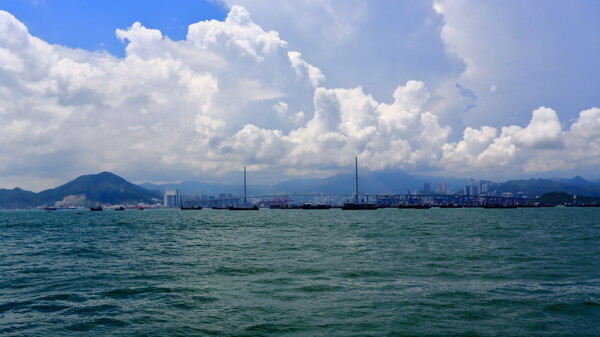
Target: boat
point(49, 208)
point(349, 206)
point(235, 208)
point(318, 206)
point(417, 206)
point(451, 206)
point(120, 208)
point(422, 206)
point(500, 206)
point(285, 207)
point(96, 209)
point(534, 205)
point(190, 208)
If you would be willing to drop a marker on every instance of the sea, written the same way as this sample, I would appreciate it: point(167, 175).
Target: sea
point(389, 272)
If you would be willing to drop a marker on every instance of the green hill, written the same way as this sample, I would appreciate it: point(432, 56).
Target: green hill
point(105, 188)
point(559, 198)
point(536, 187)
point(16, 198)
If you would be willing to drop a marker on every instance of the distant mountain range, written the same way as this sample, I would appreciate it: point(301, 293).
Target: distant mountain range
point(392, 182)
point(86, 190)
point(108, 188)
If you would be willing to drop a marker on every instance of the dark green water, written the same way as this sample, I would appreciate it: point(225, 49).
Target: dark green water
point(388, 272)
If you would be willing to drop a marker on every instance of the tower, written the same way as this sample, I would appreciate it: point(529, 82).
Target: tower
point(172, 198)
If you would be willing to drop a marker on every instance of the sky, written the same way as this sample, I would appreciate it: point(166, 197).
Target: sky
point(165, 91)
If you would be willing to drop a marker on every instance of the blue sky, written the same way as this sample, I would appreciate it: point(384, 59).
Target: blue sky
point(296, 88)
point(91, 24)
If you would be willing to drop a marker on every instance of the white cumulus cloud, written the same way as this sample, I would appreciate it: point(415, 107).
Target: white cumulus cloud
point(234, 94)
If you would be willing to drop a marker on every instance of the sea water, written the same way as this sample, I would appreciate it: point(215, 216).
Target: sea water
point(390, 272)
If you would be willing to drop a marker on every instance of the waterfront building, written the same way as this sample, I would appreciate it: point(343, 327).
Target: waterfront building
point(442, 187)
point(172, 198)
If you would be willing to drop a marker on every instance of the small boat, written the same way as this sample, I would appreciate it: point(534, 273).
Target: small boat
point(285, 207)
point(422, 206)
point(96, 209)
point(234, 208)
point(534, 205)
point(451, 206)
point(418, 206)
point(120, 208)
point(351, 206)
point(318, 206)
point(500, 206)
point(190, 208)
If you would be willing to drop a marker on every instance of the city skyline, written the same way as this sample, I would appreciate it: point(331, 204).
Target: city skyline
point(199, 89)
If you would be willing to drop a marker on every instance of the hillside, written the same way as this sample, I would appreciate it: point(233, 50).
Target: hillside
point(16, 198)
point(105, 188)
point(559, 198)
point(369, 182)
point(536, 187)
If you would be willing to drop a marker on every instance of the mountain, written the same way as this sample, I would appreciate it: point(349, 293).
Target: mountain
point(559, 198)
point(16, 198)
point(535, 187)
point(577, 180)
point(393, 182)
point(105, 187)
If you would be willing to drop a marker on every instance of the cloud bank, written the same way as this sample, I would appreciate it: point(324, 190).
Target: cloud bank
point(234, 94)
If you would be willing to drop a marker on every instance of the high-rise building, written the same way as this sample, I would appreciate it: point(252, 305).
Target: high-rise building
point(426, 188)
point(442, 187)
point(172, 198)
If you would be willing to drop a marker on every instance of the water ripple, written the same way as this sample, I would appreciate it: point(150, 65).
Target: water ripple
point(290, 273)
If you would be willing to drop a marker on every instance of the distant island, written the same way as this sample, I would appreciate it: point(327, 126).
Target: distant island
point(107, 188)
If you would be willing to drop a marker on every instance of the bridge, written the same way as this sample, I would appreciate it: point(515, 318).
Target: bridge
point(265, 200)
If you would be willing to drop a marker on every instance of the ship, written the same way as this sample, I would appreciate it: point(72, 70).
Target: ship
point(96, 209)
point(190, 208)
point(451, 206)
point(318, 206)
point(237, 208)
point(358, 206)
point(417, 206)
point(496, 205)
point(285, 207)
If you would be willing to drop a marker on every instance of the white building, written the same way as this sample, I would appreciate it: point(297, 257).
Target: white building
point(172, 198)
